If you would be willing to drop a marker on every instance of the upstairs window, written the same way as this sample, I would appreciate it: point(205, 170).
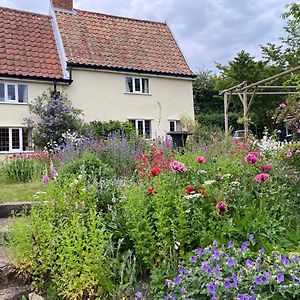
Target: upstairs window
point(137, 85)
point(143, 127)
point(15, 140)
point(13, 93)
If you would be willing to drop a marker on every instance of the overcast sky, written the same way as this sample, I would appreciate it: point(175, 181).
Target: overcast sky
point(207, 31)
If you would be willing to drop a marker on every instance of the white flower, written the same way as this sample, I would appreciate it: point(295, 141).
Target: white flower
point(209, 182)
point(189, 197)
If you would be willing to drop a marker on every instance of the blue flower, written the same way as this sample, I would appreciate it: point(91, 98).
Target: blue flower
point(200, 251)
point(183, 290)
point(295, 279)
point(230, 244)
point(257, 280)
point(217, 270)
point(216, 254)
point(227, 284)
point(139, 294)
point(193, 259)
point(249, 264)
point(280, 277)
point(205, 266)
point(251, 237)
point(230, 262)
point(244, 247)
point(262, 250)
point(177, 280)
point(296, 259)
point(211, 288)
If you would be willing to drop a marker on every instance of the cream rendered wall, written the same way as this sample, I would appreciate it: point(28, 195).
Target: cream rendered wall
point(102, 96)
point(12, 115)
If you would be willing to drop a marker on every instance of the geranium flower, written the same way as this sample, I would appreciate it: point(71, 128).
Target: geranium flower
point(266, 168)
point(154, 171)
point(251, 158)
point(178, 167)
point(201, 159)
point(263, 177)
point(190, 189)
point(222, 207)
point(150, 190)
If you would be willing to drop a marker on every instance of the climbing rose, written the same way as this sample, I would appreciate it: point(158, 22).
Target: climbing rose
point(150, 190)
point(251, 158)
point(154, 171)
point(201, 159)
point(178, 167)
point(266, 168)
point(222, 207)
point(190, 189)
point(45, 179)
point(263, 177)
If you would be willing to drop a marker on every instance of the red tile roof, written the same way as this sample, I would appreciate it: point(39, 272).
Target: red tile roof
point(99, 40)
point(27, 45)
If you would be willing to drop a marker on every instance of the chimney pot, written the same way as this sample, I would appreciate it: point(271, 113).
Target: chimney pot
point(64, 4)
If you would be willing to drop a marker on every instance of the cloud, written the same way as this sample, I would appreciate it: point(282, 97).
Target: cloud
point(206, 30)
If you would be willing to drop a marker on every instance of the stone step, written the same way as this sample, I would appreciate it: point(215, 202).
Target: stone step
point(7, 209)
point(14, 292)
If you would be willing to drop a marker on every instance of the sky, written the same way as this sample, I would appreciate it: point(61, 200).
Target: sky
point(207, 31)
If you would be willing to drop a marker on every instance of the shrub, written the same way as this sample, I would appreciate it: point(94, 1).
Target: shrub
point(236, 273)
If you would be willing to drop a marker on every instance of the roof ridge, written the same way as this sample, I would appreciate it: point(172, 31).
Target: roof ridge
point(120, 17)
point(24, 11)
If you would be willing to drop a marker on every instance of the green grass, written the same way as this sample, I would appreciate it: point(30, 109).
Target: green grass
point(20, 191)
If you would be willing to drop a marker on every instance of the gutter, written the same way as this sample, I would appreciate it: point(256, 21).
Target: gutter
point(36, 78)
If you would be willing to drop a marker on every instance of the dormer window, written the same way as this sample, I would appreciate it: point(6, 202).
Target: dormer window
point(13, 93)
point(137, 85)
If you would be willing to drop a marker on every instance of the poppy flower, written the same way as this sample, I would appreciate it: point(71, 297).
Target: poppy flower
point(190, 189)
point(150, 190)
point(154, 171)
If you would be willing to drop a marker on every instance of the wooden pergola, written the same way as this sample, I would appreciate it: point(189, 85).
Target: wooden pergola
point(247, 93)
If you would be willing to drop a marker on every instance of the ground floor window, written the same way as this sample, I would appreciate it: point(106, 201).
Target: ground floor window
point(15, 140)
point(143, 127)
point(174, 125)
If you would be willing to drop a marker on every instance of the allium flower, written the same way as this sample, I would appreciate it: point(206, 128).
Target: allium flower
point(262, 177)
point(251, 158)
point(178, 167)
point(266, 168)
point(280, 277)
point(150, 190)
point(190, 189)
point(53, 172)
point(154, 171)
point(222, 207)
point(45, 179)
point(201, 159)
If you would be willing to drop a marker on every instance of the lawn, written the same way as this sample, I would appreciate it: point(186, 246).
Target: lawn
point(19, 191)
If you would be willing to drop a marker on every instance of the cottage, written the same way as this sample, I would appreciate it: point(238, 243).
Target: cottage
point(110, 67)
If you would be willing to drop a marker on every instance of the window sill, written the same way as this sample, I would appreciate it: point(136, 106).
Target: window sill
point(141, 94)
point(17, 152)
point(14, 103)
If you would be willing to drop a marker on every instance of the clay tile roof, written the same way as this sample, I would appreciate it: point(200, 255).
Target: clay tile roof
point(27, 45)
point(94, 39)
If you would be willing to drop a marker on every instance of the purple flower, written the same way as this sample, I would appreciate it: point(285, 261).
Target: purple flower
point(257, 280)
point(53, 172)
point(217, 270)
point(45, 179)
point(216, 253)
point(249, 264)
point(178, 167)
point(244, 247)
point(234, 279)
point(138, 294)
point(230, 244)
point(251, 237)
point(200, 251)
point(193, 259)
point(183, 290)
point(205, 266)
point(264, 279)
point(295, 279)
point(262, 250)
point(177, 280)
point(227, 284)
point(211, 288)
point(180, 271)
point(296, 259)
point(230, 262)
point(280, 277)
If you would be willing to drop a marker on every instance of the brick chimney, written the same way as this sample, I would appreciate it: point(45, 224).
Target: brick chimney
point(64, 4)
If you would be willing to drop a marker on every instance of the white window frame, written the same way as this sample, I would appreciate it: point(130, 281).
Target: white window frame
point(16, 85)
point(144, 126)
point(177, 126)
point(133, 85)
point(10, 141)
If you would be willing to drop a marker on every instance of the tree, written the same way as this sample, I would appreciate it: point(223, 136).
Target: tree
point(55, 116)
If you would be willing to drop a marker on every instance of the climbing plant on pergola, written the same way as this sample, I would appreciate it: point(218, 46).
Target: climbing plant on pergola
point(243, 91)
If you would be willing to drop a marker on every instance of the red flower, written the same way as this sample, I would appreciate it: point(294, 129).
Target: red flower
point(266, 168)
point(190, 189)
point(201, 159)
point(202, 192)
point(222, 207)
point(150, 190)
point(154, 171)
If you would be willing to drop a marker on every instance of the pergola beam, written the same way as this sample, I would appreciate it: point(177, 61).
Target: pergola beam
point(269, 93)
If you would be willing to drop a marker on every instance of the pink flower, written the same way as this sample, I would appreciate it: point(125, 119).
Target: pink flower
point(178, 167)
point(222, 207)
point(266, 168)
point(289, 154)
point(282, 106)
point(53, 172)
point(251, 158)
point(262, 177)
point(45, 179)
point(201, 159)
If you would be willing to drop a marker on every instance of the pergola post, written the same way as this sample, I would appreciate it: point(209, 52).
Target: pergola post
point(245, 108)
point(226, 104)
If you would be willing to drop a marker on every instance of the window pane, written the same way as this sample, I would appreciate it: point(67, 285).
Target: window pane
point(15, 136)
point(145, 85)
point(27, 140)
point(4, 139)
point(147, 129)
point(2, 95)
point(11, 92)
point(23, 93)
point(137, 82)
point(140, 127)
point(129, 85)
point(172, 125)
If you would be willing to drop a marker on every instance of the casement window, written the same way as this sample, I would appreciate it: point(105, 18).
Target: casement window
point(137, 85)
point(13, 93)
point(143, 127)
point(174, 125)
point(15, 140)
